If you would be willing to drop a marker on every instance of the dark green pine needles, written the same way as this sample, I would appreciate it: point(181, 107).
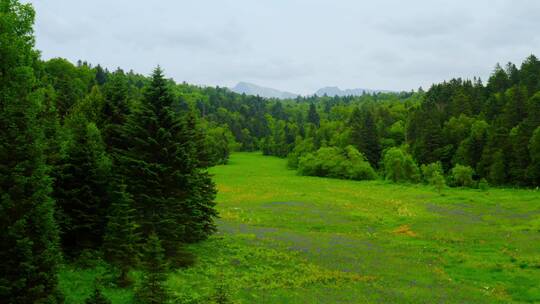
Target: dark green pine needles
point(152, 289)
point(121, 237)
point(28, 234)
point(163, 168)
point(81, 187)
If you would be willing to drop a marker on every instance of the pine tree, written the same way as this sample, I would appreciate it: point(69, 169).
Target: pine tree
point(497, 171)
point(364, 135)
point(530, 74)
point(50, 125)
point(29, 236)
point(515, 109)
point(101, 75)
point(81, 187)
point(115, 109)
point(313, 117)
point(163, 168)
point(519, 157)
point(198, 210)
point(97, 298)
point(534, 150)
point(121, 237)
point(152, 289)
point(498, 81)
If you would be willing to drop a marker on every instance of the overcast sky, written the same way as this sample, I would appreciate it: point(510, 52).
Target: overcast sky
point(294, 45)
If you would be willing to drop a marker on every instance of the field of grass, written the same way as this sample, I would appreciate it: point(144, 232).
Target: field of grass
point(285, 238)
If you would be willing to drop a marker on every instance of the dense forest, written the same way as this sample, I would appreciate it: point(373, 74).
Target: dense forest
point(116, 162)
point(489, 132)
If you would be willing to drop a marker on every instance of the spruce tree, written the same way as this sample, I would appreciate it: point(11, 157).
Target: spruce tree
point(534, 150)
point(81, 186)
point(101, 75)
point(115, 109)
point(152, 289)
point(364, 135)
point(530, 74)
point(313, 117)
point(515, 109)
point(51, 126)
point(161, 164)
point(29, 236)
point(121, 237)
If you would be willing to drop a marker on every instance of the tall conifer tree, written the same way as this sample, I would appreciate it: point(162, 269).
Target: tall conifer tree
point(29, 236)
point(81, 186)
point(121, 238)
point(364, 135)
point(162, 167)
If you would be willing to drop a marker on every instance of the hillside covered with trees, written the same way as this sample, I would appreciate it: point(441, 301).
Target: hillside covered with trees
point(115, 163)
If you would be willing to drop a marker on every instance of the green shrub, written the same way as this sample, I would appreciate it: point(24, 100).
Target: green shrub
point(301, 148)
point(334, 162)
point(399, 166)
point(483, 184)
point(431, 170)
point(462, 176)
point(438, 181)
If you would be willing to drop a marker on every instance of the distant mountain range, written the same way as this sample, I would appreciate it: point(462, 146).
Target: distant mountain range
point(335, 91)
point(253, 89)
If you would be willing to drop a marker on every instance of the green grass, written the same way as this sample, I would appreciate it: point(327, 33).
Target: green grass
point(286, 238)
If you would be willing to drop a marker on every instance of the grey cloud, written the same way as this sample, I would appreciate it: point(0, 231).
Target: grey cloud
point(294, 45)
point(426, 26)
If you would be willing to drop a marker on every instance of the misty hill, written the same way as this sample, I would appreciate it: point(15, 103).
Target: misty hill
point(253, 89)
point(335, 91)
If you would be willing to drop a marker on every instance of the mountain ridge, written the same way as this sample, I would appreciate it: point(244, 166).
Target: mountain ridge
point(267, 92)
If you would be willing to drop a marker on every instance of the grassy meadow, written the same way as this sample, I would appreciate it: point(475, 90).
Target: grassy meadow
point(285, 238)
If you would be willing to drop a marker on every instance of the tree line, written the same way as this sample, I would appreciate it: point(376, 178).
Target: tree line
point(492, 129)
point(94, 163)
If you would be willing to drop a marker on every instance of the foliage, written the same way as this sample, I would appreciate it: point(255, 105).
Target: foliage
point(152, 289)
point(121, 237)
point(221, 294)
point(431, 170)
point(364, 135)
point(462, 176)
point(399, 166)
point(81, 186)
point(438, 181)
point(163, 165)
point(97, 298)
point(345, 163)
point(534, 148)
point(219, 144)
point(29, 235)
point(483, 184)
point(301, 148)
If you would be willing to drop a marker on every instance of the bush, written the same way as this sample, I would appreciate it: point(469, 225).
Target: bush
point(219, 143)
point(301, 148)
point(437, 180)
point(483, 184)
point(399, 166)
point(334, 162)
point(430, 171)
point(462, 176)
